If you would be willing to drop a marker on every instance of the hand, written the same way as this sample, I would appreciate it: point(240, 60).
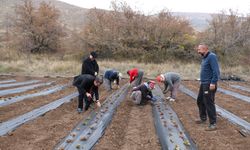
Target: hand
point(98, 104)
point(88, 95)
point(96, 73)
point(212, 87)
point(118, 86)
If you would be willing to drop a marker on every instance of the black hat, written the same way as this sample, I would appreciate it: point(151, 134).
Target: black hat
point(94, 54)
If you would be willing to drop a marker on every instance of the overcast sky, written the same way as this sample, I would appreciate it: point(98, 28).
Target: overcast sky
point(154, 6)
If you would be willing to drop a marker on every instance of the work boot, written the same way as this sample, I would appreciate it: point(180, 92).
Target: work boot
point(211, 127)
point(199, 121)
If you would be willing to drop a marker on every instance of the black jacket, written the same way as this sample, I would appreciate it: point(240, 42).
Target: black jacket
point(146, 94)
point(85, 83)
point(89, 66)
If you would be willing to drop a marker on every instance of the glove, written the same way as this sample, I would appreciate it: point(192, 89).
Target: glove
point(96, 73)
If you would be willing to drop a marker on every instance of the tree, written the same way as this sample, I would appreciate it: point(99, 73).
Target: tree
point(38, 30)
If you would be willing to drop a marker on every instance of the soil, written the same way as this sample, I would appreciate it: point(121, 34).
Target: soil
point(132, 127)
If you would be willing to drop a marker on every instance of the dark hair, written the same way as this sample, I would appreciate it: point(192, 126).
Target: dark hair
point(94, 54)
point(99, 79)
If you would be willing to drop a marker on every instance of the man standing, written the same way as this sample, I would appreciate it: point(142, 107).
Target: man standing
point(90, 66)
point(209, 76)
point(87, 86)
point(111, 76)
point(135, 73)
point(171, 82)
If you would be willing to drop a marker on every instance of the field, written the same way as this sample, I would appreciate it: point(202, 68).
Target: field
point(45, 117)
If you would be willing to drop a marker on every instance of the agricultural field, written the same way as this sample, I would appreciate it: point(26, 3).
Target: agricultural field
point(40, 113)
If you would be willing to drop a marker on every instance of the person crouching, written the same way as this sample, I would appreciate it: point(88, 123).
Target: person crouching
point(111, 76)
point(143, 93)
point(87, 86)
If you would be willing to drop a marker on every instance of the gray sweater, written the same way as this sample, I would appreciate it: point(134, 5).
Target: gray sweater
point(170, 79)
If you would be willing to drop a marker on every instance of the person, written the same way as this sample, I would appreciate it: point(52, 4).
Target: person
point(137, 74)
point(171, 82)
point(209, 75)
point(90, 66)
point(143, 93)
point(87, 86)
point(111, 76)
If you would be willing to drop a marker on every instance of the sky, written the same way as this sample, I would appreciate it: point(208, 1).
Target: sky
point(154, 6)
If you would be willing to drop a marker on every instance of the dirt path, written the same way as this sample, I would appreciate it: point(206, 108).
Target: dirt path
point(131, 128)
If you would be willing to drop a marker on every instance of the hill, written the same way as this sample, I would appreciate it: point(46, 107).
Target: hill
point(73, 16)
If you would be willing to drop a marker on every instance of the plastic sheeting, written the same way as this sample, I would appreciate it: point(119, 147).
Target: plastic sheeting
point(241, 88)
point(234, 94)
point(12, 124)
point(224, 113)
point(22, 89)
point(170, 131)
point(87, 132)
point(18, 84)
point(54, 89)
point(7, 81)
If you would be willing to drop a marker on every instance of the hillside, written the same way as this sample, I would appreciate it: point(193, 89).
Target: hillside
point(73, 17)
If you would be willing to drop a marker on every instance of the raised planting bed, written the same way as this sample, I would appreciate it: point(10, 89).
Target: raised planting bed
point(170, 131)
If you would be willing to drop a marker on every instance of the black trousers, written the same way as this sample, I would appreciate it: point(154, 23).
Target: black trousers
point(87, 100)
point(206, 104)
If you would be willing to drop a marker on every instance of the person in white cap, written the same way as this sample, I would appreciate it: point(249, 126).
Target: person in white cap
point(143, 93)
point(112, 76)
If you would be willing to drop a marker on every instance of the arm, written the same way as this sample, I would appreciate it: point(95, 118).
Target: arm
point(95, 90)
point(215, 69)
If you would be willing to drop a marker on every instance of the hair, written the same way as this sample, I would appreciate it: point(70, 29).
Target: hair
point(99, 79)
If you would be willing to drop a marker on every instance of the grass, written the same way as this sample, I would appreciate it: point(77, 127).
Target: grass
point(47, 65)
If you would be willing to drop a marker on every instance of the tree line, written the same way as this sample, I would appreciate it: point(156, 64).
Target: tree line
point(124, 33)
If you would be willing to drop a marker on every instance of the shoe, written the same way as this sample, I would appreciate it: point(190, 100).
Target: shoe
point(200, 121)
point(211, 127)
point(171, 99)
point(79, 110)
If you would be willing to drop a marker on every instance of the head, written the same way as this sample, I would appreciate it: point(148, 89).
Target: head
point(98, 81)
point(151, 84)
point(202, 49)
point(160, 78)
point(93, 55)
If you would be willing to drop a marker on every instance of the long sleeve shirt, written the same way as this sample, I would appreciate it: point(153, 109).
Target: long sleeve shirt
point(112, 75)
point(133, 73)
point(90, 67)
point(85, 83)
point(210, 72)
point(170, 79)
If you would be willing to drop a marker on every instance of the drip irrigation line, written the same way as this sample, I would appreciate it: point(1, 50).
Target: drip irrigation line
point(170, 130)
point(12, 124)
point(18, 83)
point(222, 112)
point(90, 129)
point(48, 91)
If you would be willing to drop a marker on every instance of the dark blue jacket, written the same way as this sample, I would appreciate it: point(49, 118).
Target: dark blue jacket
point(210, 72)
point(112, 75)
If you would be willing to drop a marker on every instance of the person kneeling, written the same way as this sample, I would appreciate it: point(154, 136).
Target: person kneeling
point(87, 86)
point(143, 93)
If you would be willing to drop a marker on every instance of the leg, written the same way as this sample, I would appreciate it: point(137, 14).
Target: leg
point(175, 89)
point(136, 97)
point(209, 98)
point(80, 100)
point(201, 105)
point(139, 78)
